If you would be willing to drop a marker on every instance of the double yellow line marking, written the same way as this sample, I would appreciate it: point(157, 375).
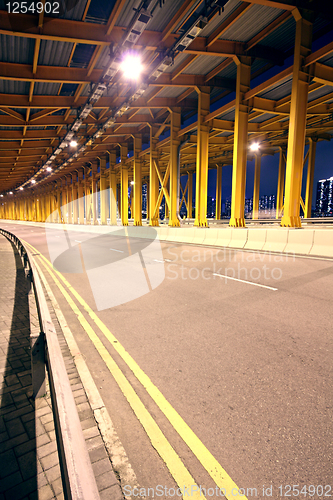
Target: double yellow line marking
point(160, 443)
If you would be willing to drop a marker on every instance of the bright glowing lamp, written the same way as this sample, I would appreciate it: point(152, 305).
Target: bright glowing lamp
point(10, 192)
point(49, 169)
point(132, 183)
point(73, 144)
point(33, 181)
point(254, 146)
point(131, 67)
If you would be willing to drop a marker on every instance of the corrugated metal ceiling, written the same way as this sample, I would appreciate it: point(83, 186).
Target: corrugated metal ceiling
point(279, 90)
point(251, 23)
point(15, 49)
point(52, 53)
point(203, 65)
point(172, 91)
point(44, 88)
point(262, 118)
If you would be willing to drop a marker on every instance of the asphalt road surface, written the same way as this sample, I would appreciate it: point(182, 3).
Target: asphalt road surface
point(248, 368)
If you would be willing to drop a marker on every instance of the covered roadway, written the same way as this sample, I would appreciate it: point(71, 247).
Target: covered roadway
point(237, 377)
point(216, 369)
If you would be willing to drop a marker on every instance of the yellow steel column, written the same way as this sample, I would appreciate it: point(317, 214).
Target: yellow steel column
point(256, 187)
point(94, 193)
point(190, 195)
point(113, 189)
point(201, 176)
point(137, 202)
point(310, 177)
point(174, 143)
point(80, 195)
point(218, 192)
point(297, 124)
point(124, 184)
point(46, 204)
point(240, 143)
point(64, 199)
point(68, 202)
point(280, 188)
point(38, 206)
point(74, 198)
point(153, 179)
point(103, 191)
point(58, 203)
point(87, 195)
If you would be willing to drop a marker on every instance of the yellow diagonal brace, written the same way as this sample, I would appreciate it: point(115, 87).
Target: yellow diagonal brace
point(164, 181)
point(302, 204)
point(184, 196)
point(163, 190)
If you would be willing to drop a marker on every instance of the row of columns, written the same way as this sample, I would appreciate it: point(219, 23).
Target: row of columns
point(289, 181)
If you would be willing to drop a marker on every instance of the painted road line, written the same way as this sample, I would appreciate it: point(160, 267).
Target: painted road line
point(109, 434)
point(156, 260)
point(175, 465)
point(244, 281)
point(114, 250)
point(78, 241)
point(207, 460)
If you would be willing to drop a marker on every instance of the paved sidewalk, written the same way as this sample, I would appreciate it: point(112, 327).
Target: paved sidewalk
point(28, 450)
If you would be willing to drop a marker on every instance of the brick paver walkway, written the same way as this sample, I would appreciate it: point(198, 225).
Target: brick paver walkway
point(29, 466)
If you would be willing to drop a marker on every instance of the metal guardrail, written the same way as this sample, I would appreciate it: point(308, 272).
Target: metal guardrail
point(78, 478)
point(250, 221)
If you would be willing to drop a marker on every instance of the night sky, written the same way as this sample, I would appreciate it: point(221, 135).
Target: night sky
point(269, 173)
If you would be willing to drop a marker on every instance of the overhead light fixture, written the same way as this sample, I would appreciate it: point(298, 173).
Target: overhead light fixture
point(254, 146)
point(131, 67)
point(132, 183)
point(49, 169)
point(33, 181)
point(10, 192)
point(21, 188)
point(1, 195)
point(73, 144)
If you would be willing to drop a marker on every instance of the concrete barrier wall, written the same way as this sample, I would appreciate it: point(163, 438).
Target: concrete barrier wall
point(322, 243)
point(256, 239)
point(238, 237)
point(174, 234)
point(300, 241)
point(211, 236)
point(162, 232)
point(199, 235)
point(224, 237)
point(189, 233)
point(276, 239)
point(304, 241)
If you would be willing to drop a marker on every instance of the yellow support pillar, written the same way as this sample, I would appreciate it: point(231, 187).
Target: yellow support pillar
point(240, 143)
point(93, 198)
point(124, 185)
point(218, 192)
point(137, 201)
point(280, 188)
point(113, 189)
point(201, 176)
point(74, 199)
point(38, 207)
point(103, 191)
point(153, 179)
point(297, 124)
point(310, 177)
point(174, 143)
point(80, 196)
point(256, 187)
